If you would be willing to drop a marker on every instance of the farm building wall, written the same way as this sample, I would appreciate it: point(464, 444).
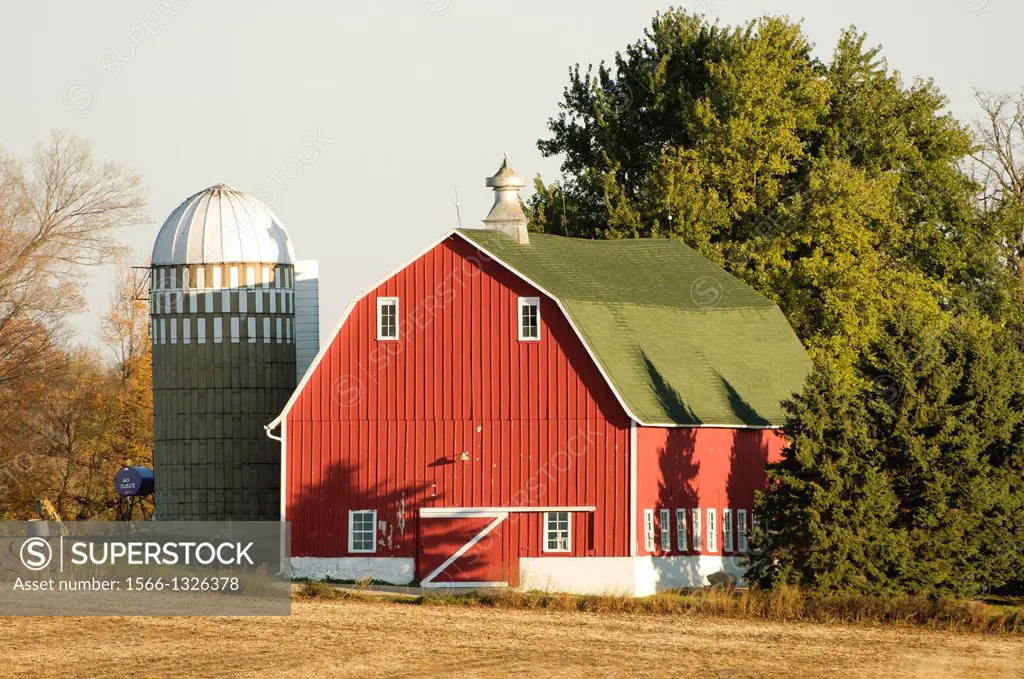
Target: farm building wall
point(679, 470)
point(386, 425)
point(708, 468)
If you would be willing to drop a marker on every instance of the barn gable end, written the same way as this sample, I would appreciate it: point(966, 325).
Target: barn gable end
point(456, 413)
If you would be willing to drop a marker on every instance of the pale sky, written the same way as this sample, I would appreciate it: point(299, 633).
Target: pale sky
point(408, 98)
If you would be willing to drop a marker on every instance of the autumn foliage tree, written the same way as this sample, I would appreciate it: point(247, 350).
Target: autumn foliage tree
point(63, 407)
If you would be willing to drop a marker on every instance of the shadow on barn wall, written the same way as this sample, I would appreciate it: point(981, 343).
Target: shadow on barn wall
point(676, 490)
point(319, 511)
point(748, 459)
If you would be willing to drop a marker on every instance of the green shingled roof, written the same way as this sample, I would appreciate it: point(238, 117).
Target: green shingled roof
point(682, 341)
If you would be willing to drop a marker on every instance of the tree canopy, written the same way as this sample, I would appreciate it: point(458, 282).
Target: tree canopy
point(851, 199)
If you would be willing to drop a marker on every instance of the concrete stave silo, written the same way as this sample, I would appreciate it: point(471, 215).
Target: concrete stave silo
point(222, 290)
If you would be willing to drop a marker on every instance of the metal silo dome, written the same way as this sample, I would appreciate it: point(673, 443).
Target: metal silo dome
point(222, 224)
point(222, 290)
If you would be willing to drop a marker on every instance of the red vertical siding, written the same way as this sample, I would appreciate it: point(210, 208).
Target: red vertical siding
point(382, 425)
point(707, 468)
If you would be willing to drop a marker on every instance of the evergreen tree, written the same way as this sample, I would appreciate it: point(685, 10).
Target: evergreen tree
point(910, 482)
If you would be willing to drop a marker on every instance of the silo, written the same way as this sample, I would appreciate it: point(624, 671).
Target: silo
point(222, 284)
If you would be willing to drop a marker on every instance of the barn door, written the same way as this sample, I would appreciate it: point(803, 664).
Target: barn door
point(464, 549)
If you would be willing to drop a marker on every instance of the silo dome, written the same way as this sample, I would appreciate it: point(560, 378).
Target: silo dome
point(222, 224)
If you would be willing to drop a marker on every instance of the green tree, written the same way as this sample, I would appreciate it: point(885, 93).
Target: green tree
point(910, 482)
point(839, 191)
point(833, 188)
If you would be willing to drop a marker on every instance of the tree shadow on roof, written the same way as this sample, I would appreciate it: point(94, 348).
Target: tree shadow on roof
point(740, 407)
point(667, 395)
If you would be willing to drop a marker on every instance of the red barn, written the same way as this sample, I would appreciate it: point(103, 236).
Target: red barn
point(537, 411)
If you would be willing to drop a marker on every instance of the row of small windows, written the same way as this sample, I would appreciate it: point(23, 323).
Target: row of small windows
point(696, 533)
point(362, 531)
point(193, 302)
point(239, 329)
point(187, 278)
point(528, 315)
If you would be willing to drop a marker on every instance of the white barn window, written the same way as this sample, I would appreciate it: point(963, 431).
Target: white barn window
point(681, 530)
point(741, 530)
point(387, 318)
point(361, 531)
point(529, 318)
point(712, 531)
point(649, 530)
point(666, 530)
point(557, 532)
point(727, 530)
point(695, 523)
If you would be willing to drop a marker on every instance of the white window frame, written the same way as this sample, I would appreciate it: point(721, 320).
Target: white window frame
point(666, 530)
point(681, 542)
point(649, 530)
point(381, 303)
point(712, 530)
point(727, 530)
point(523, 303)
point(351, 530)
point(695, 526)
point(548, 532)
point(742, 544)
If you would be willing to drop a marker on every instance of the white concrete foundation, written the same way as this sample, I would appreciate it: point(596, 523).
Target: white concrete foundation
point(612, 576)
point(395, 571)
point(629, 576)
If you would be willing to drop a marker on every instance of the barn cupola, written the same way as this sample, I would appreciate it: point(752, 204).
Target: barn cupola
point(506, 214)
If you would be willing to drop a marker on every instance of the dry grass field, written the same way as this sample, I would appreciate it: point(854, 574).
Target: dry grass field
point(384, 639)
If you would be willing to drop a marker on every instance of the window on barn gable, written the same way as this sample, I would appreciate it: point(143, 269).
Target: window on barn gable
point(649, 530)
point(529, 318)
point(557, 532)
point(666, 530)
point(362, 530)
point(387, 318)
point(712, 531)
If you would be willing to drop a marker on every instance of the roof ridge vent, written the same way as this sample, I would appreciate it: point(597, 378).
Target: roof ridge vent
point(507, 214)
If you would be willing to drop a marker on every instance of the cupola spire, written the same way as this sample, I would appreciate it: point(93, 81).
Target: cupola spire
point(507, 214)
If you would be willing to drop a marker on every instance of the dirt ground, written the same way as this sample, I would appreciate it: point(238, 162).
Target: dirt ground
point(384, 639)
